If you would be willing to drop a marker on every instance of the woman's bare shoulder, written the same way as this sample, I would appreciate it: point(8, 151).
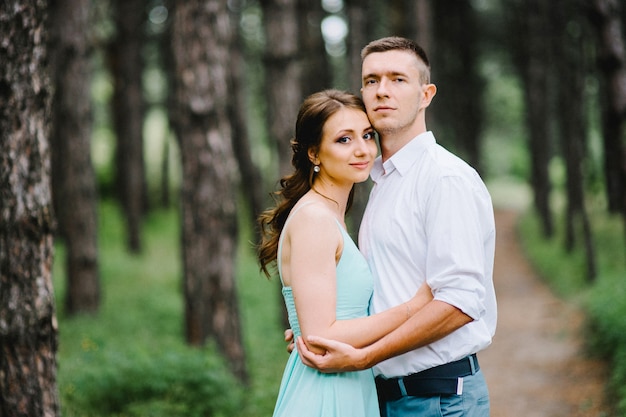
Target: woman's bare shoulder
point(312, 217)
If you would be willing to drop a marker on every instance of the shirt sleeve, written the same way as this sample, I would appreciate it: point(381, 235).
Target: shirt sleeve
point(455, 264)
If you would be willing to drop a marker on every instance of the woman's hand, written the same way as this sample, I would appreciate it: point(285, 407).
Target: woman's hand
point(289, 340)
point(337, 356)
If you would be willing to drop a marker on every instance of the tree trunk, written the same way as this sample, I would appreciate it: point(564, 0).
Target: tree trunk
point(165, 177)
point(125, 60)
point(201, 41)
point(252, 182)
point(28, 326)
point(458, 103)
point(316, 71)
point(361, 24)
point(283, 75)
point(405, 19)
point(572, 112)
point(423, 31)
point(75, 183)
point(605, 14)
point(531, 48)
point(358, 37)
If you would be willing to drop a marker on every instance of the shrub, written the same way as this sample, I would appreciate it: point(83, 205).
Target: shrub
point(606, 309)
point(191, 383)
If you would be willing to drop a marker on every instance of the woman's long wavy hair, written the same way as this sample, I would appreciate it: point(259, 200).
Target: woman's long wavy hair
point(314, 112)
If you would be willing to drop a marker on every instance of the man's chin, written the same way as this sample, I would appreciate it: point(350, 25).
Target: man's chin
point(378, 119)
point(384, 126)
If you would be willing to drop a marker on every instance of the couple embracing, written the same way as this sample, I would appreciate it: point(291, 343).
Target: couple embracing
point(390, 328)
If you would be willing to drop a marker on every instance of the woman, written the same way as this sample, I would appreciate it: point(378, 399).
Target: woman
point(326, 281)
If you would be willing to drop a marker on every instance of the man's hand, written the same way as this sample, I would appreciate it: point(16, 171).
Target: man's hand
point(339, 357)
point(289, 340)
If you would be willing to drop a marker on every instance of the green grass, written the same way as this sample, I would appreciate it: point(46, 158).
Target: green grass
point(604, 300)
point(131, 360)
point(565, 272)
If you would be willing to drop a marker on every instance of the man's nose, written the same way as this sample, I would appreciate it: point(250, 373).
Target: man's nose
point(382, 89)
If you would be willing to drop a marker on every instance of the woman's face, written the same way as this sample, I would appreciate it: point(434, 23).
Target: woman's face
point(348, 148)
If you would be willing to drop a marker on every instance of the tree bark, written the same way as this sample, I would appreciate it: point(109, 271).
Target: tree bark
point(201, 39)
point(283, 75)
point(283, 81)
point(252, 183)
point(358, 23)
point(531, 46)
point(316, 71)
point(605, 14)
point(127, 64)
point(361, 24)
point(407, 18)
point(572, 111)
point(423, 31)
point(458, 104)
point(28, 326)
point(74, 190)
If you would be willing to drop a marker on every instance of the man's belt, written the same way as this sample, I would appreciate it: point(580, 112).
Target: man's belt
point(444, 379)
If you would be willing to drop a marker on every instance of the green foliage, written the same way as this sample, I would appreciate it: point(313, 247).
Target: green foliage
point(136, 383)
point(505, 151)
point(604, 301)
point(261, 309)
point(564, 272)
point(606, 308)
point(131, 359)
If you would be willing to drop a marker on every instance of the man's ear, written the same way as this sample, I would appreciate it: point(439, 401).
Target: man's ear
point(428, 92)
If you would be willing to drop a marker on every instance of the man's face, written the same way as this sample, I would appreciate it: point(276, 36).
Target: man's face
point(392, 90)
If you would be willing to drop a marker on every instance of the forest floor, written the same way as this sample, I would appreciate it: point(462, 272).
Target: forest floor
point(536, 366)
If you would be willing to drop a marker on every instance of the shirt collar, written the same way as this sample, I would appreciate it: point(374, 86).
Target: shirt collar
point(404, 158)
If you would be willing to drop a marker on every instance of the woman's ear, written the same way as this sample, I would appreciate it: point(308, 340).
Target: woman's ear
point(313, 156)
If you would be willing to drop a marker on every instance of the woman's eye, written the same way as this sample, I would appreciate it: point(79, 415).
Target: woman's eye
point(344, 139)
point(369, 135)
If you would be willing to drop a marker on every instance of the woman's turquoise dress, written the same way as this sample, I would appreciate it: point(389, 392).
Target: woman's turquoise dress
point(306, 392)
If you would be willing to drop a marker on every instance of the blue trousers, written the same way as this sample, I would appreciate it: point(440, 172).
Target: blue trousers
point(473, 402)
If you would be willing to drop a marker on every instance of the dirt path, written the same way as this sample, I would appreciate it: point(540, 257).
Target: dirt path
point(536, 366)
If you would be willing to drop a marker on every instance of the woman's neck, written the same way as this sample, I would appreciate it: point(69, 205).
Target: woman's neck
point(335, 198)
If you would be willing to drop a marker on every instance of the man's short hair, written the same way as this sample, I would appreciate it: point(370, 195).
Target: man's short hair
point(396, 43)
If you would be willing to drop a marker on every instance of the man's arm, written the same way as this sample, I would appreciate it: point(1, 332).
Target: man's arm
point(433, 322)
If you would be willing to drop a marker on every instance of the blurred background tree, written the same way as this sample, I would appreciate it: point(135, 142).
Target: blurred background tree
point(193, 102)
point(73, 177)
point(126, 64)
point(201, 36)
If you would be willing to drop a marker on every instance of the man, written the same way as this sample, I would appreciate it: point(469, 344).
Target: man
point(429, 217)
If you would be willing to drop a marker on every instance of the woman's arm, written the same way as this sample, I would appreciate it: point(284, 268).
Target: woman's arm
point(312, 247)
point(432, 323)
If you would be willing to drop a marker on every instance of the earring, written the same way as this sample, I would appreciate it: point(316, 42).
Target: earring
point(316, 168)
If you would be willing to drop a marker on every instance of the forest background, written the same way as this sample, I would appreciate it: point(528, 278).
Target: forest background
point(140, 139)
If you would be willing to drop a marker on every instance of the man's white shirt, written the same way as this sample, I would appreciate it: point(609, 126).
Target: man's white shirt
point(430, 217)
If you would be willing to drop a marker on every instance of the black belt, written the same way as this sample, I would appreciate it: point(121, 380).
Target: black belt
point(440, 380)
